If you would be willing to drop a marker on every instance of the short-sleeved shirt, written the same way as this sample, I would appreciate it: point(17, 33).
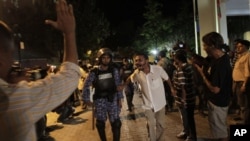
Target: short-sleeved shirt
point(242, 67)
point(221, 77)
point(152, 87)
point(185, 77)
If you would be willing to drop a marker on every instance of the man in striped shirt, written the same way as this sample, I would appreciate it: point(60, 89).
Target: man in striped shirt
point(23, 103)
point(185, 97)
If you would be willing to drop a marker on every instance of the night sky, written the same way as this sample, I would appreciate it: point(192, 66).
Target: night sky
point(118, 11)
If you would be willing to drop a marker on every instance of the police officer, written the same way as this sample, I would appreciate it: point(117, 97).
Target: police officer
point(127, 69)
point(106, 99)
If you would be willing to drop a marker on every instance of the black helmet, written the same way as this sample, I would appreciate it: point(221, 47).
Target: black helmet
point(103, 51)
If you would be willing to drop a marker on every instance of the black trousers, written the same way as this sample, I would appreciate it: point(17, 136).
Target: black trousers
point(188, 121)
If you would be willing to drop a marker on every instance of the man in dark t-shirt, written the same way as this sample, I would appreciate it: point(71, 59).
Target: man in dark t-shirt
point(220, 68)
point(219, 84)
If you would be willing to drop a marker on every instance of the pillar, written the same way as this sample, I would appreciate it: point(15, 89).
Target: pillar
point(212, 17)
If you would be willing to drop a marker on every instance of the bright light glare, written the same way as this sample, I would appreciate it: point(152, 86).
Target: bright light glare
point(154, 51)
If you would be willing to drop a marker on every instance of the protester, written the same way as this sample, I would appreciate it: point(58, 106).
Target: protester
point(150, 78)
point(168, 66)
point(234, 54)
point(219, 83)
point(24, 103)
point(107, 100)
point(200, 87)
point(234, 107)
point(183, 82)
point(126, 70)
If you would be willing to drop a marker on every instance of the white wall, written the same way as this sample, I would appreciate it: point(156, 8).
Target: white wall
point(209, 20)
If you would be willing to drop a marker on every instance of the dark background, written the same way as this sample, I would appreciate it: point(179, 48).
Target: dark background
point(118, 12)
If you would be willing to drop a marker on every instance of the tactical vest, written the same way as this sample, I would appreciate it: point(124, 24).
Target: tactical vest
point(104, 84)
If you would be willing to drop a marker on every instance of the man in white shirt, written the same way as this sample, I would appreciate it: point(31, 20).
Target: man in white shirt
point(150, 78)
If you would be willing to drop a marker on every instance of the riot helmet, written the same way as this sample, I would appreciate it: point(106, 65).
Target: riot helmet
point(104, 51)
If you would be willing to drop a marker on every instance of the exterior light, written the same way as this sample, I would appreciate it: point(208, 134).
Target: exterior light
point(89, 52)
point(154, 51)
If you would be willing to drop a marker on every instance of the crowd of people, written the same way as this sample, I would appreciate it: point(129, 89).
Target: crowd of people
point(220, 81)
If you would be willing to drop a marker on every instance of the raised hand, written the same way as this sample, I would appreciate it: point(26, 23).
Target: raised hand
point(65, 17)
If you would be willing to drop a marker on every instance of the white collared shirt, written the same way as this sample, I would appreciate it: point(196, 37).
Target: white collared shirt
point(152, 87)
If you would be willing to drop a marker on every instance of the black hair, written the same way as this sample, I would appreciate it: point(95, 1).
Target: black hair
point(224, 48)
point(144, 54)
point(125, 59)
point(181, 55)
point(236, 40)
point(162, 53)
point(246, 43)
point(213, 39)
point(199, 60)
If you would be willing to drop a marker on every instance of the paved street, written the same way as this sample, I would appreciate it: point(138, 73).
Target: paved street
point(79, 128)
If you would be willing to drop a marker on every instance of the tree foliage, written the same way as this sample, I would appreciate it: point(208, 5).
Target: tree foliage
point(183, 27)
point(161, 30)
point(92, 26)
point(156, 24)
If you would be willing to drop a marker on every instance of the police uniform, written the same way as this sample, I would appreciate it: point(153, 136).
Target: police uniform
point(105, 97)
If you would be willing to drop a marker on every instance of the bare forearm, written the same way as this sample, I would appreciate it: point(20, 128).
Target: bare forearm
point(70, 49)
point(173, 92)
